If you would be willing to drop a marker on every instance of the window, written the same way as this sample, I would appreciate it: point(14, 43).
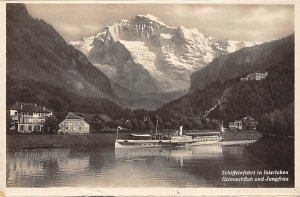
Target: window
point(29, 128)
point(79, 128)
point(67, 128)
point(21, 127)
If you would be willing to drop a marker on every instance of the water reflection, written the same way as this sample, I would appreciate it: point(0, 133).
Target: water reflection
point(178, 154)
point(195, 166)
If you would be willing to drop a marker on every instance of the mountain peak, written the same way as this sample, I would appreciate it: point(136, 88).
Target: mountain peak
point(148, 18)
point(144, 51)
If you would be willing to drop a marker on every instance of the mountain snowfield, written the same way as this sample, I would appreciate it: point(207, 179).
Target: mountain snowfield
point(146, 55)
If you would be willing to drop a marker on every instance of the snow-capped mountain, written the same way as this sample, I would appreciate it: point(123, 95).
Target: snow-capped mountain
point(146, 55)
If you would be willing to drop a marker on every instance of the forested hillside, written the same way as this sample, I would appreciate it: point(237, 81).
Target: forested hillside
point(58, 99)
point(37, 54)
point(233, 99)
point(257, 58)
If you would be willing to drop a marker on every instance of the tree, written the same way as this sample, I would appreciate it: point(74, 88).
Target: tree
point(288, 113)
point(168, 125)
point(207, 124)
point(197, 124)
point(280, 125)
point(54, 104)
point(128, 125)
point(134, 123)
point(187, 125)
point(50, 125)
point(215, 124)
point(149, 124)
point(175, 123)
point(97, 123)
point(142, 125)
point(157, 118)
point(9, 123)
point(115, 123)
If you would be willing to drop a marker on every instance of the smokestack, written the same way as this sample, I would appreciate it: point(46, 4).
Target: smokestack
point(180, 128)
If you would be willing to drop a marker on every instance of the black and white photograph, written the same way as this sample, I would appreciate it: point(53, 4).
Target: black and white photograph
point(150, 95)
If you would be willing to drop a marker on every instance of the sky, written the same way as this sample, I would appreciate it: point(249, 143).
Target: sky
point(236, 22)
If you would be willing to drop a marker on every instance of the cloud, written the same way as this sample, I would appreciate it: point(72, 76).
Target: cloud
point(76, 31)
point(238, 22)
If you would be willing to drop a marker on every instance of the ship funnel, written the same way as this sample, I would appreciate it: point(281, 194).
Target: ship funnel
point(180, 128)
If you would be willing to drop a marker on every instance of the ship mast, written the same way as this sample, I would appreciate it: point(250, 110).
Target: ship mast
point(156, 127)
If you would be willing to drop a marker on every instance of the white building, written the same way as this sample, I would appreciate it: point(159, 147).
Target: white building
point(255, 76)
point(247, 122)
point(74, 124)
point(236, 125)
point(29, 117)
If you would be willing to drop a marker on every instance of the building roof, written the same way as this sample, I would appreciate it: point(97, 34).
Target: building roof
point(29, 107)
point(73, 116)
point(248, 118)
point(105, 118)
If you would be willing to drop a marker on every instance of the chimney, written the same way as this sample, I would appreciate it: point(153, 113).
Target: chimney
point(180, 128)
point(21, 107)
point(44, 108)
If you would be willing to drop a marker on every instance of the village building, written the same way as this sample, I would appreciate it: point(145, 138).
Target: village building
point(246, 123)
point(29, 117)
point(255, 76)
point(74, 124)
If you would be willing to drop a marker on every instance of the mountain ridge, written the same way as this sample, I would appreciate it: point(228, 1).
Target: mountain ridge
point(231, 99)
point(37, 52)
point(167, 55)
point(243, 61)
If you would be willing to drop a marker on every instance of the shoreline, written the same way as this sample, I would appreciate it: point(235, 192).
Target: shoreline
point(59, 141)
point(31, 141)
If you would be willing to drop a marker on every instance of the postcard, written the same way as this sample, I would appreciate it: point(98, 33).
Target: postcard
point(144, 98)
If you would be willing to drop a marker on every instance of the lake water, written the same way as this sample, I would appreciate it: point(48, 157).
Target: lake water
point(199, 166)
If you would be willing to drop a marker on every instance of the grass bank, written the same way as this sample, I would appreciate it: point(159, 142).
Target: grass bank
point(41, 141)
point(241, 135)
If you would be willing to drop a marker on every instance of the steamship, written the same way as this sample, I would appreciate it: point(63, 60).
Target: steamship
point(149, 141)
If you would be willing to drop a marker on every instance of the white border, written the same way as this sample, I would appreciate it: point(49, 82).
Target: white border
point(79, 191)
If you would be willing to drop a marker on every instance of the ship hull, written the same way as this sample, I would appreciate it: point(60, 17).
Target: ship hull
point(199, 143)
point(147, 143)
